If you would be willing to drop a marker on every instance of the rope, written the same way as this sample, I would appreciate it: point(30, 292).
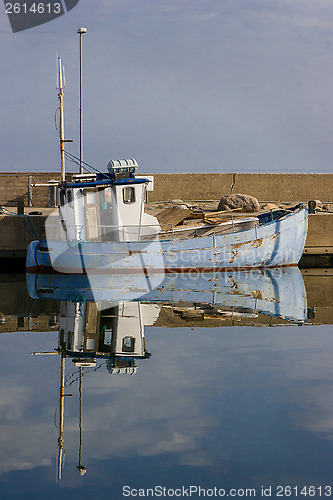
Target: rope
point(74, 242)
point(35, 234)
point(33, 230)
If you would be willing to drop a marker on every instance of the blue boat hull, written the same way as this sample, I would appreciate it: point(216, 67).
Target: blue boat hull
point(278, 242)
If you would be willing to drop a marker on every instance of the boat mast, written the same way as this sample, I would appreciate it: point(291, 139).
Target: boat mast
point(62, 413)
point(80, 467)
point(62, 126)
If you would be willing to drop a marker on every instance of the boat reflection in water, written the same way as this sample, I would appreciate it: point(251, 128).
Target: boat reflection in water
point(108, 322)
point(278, 292)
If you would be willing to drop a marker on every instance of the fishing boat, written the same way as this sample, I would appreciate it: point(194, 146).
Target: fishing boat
point(101, 226)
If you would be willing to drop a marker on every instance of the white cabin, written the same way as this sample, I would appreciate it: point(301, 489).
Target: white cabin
point(106, 207)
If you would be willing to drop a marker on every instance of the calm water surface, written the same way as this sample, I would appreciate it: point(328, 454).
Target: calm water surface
point(225, 407)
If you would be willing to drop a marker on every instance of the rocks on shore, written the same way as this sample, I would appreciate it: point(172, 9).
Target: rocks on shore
point(244, 202)
point(154, 208)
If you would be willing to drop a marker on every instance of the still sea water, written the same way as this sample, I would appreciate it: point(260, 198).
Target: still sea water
point(230, 395)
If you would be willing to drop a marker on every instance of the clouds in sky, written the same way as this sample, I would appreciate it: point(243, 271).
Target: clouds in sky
point(207, 399)
point(182, 86)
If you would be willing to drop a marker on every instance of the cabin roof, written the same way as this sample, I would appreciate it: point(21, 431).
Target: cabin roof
point(105, 182)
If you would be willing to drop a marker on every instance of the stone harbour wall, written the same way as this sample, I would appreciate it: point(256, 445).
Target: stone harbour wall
point(203, 186)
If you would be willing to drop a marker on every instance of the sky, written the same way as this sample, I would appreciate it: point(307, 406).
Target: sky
point(179, 85)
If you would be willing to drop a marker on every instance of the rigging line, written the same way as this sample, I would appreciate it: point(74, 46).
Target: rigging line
point(55, 118)
point(74, 161)
point(70, 376)
point(85, 163)
point(77, 373)
point(69, 157)
point(71, 154)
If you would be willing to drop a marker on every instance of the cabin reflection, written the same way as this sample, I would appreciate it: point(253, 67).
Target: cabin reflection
point(88, 334)
point(116, 334)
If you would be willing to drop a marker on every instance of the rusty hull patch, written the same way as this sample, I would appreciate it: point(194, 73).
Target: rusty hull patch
point(255, 243)
point(236, 246)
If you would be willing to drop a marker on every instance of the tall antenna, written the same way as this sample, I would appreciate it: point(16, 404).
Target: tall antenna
point(81, 32)
point(62, 126)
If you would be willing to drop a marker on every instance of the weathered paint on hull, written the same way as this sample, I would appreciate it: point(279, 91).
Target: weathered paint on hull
point(276, 243)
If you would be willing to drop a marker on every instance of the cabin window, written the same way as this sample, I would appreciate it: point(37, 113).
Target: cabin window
point(62, 198)
point(128, 344)
point(108, 195)
point(69, 196)
point(105, 198)
point(128, 195)
point(91, 344)
point(20, 322)
point(91, 197)
point(107, 336)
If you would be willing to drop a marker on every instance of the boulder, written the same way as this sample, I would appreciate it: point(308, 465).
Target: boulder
point(244, 202)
